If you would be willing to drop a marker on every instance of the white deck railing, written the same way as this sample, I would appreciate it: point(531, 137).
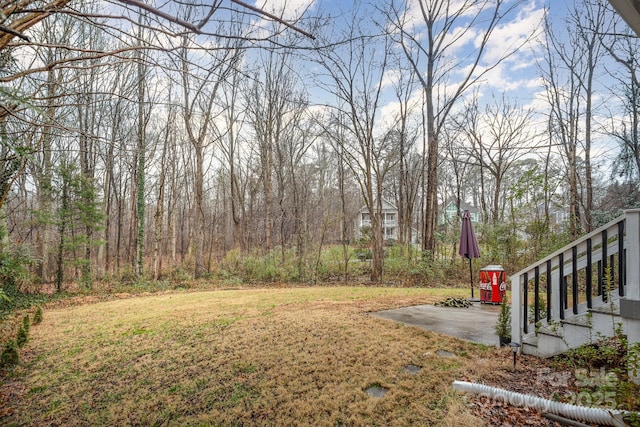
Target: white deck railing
point(583, 275)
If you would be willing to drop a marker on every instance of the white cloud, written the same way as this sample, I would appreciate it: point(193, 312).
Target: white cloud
point(390, 78)
point(514, 42)
point(288, 10)
point(516, 33)
point(414, 12)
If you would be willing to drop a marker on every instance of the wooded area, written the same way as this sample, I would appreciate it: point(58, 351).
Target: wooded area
point(143, 142)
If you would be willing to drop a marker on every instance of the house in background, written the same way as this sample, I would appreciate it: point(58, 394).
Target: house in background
point(390, 226)
point(389, 221)
point(450, 212)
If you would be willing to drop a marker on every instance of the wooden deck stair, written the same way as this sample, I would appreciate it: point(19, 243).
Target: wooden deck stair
point(585, 291)
point(572, 332)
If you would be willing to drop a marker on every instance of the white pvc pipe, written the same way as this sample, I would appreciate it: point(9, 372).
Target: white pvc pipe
point(574, 412)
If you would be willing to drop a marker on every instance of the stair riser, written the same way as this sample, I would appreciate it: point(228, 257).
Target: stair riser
point(577, 335)
point(570, 335)
point(549, 345)
point(531, 350)
point(604, 324)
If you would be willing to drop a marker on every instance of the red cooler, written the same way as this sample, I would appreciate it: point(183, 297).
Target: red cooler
point(493, 284)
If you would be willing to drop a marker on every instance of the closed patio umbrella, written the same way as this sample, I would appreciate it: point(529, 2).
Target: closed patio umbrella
point(468, 243)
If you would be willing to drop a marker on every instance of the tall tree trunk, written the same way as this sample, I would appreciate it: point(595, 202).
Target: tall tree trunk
point(431, 196)
point(45, 199)
point(198, 214)
point(377, 242)
point(141, 151)
point(158, 216)
point(62, 232)
point(267, 166)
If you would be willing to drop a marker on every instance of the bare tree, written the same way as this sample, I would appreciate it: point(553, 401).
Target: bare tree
point(19, 19)
point(269, 103)
point(230, 151)
point(427, 42)
point(456, 176)
point(43, 163)
point(200, 87)
point(569, 76)
point(496, 138)
point(590, 21)
point(626, 129)
point(406, 134)
point(356, 71)
point(169, 142)
point(141, 153)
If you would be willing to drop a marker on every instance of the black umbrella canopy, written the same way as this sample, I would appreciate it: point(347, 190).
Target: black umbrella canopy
point(468, 243)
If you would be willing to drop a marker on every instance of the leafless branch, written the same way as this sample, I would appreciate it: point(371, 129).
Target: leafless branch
point(162, 14)
point(13, 32)
point(275, 18)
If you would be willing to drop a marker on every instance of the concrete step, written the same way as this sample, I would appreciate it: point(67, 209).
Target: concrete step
point(551, 344)
point(606, 319)
point(608, 308)
point(530, 345)
point(543, 345)
point(578, 330)
point(572, 332)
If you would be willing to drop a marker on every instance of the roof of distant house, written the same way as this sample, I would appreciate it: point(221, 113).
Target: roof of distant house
point(386, 206)
point(464, 206)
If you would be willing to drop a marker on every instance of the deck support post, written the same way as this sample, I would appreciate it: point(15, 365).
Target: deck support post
point(630, 303)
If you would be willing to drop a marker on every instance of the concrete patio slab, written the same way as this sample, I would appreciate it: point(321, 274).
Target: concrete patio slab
point(475, 323)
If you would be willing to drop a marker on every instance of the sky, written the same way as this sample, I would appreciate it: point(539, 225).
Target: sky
point(518, 76)
point(518, 72)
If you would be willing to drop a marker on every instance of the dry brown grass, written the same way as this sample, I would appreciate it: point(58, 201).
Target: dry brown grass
point(283, 357)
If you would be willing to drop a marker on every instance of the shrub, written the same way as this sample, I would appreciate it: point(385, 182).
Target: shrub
point(15, 263)
point(503, 325)
point(37, 316)
point(26, 323)
point(22, 337)
point(429, 272)
point(4, 297)
point(542, 309)
point(9, 356)
point(616, 361)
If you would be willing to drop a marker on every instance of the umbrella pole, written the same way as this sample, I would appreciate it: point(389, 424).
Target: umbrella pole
point(471, 274)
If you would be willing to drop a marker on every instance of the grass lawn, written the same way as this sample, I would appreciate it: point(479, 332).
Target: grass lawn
point(285, 357)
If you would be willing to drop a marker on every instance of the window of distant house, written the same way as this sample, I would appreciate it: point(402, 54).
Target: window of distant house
point(390, 217)
point(366, 216)
point(452, 211)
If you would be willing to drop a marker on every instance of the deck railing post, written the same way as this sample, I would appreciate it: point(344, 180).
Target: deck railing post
point(525, 303)
point(589, 278)
point(516, 309)
point(632, 264)
point(621, 256)
point(562, 286)
point(549, 290)
point(630, 303)
point(574, 280)
point(536, 293)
